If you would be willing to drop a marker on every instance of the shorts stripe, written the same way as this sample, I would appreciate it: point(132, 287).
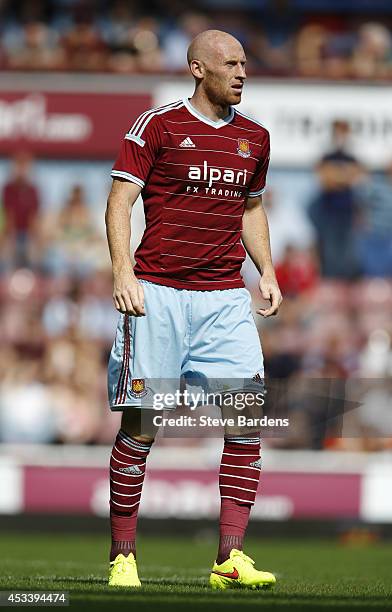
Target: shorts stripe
point(123, 378)
point(128, 347)
point(122, 372)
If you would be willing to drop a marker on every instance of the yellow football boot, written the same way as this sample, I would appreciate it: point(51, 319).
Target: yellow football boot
point(123, 572)
point(238, 572)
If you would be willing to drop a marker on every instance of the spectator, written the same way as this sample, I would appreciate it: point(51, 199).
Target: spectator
point(177, 39)
point(372, 56)
point(115, 25)
point(145, 41)
point(37, 50)
point(21, 204)
point(74, 246)
point(84, 48)
point(297, 272)
point(333, 211)
point(375, 233)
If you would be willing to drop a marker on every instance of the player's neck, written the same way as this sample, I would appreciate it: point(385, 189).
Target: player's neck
point(215, 112)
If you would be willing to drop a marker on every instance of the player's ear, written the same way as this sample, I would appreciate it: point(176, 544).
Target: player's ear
point(197, 69)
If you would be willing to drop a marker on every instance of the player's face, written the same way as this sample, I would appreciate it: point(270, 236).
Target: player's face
point(224, 75)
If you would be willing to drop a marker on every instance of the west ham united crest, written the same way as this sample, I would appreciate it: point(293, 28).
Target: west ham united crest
point(243, 147)
point(138, 387)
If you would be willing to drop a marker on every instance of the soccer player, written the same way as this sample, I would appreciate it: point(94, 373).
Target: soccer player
point(201, 168)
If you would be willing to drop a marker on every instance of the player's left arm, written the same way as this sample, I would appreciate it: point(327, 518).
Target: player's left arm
point(256, 240)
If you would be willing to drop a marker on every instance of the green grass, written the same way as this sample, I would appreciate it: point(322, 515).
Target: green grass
point(312, 574)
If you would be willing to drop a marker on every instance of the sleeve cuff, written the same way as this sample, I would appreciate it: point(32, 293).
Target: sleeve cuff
point(136, 139)
point(254, 194)
point(127, 176)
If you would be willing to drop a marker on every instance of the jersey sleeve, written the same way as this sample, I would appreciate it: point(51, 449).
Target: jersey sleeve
point(139, 150)
point(257, 185)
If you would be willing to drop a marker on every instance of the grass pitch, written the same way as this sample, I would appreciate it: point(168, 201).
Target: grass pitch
point(312, 574)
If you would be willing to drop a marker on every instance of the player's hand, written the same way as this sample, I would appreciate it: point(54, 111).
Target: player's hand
point(270, 291)
point(128, 294)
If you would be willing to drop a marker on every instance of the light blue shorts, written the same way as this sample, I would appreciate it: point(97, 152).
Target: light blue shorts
point(206, 338)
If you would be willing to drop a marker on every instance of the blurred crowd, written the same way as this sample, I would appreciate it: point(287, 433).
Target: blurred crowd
point(126, 36)
point(57, 319)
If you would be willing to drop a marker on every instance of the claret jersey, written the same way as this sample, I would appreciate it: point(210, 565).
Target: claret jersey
point(196, 175)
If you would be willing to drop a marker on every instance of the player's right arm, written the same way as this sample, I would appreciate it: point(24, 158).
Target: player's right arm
point(128, 294)
point(137, 155)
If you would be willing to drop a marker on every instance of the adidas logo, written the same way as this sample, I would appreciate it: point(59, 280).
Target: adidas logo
point(131, 469)
point(187, 143)
point(256, 464)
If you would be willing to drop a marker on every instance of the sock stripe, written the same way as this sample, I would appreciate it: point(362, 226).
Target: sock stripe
point(236, 487)
point(126, 484)
point(242, 440)
point(234, 476)
point(127, 463)
point(242, 467)
point(124, 505)
point(127, 475)
point(244, 501)
point(238, 454)
point(125, 454)
point(125, 494)
point(126, 488)
point(131, 442)
point(237, 491)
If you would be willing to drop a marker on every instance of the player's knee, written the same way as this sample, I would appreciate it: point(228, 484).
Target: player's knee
point(138, 424)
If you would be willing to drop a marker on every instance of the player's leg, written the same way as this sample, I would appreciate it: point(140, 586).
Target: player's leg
point(239, 476)
point(233, 340)
point(127, 471)
point(144, 352)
